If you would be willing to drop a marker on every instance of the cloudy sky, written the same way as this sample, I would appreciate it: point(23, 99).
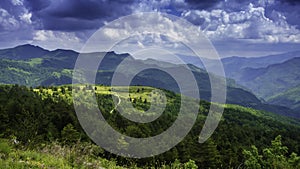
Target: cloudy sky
point(235, 27)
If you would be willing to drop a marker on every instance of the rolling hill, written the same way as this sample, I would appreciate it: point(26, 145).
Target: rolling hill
point(42, 67)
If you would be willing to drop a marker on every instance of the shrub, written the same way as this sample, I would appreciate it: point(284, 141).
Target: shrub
point(5, 149)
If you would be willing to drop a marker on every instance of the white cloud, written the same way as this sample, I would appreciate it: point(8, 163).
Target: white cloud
point(17, 2)
point(42, 35)
point(7, 21)
point(147, 30)
point(57, 39)
point(26, 17)
point(250, 23)
point(266, 2)
point(142, 27)
point(158, 5)
point(150, 6)
point(47, 35)
point(115, 33)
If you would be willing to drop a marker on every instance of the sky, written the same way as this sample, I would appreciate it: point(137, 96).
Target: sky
point(247, 28)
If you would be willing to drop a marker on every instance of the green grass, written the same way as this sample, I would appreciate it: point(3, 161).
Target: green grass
point(35, 61)
point(17, 158)
point(51, 156)
point(136, 93)
point(54, 155)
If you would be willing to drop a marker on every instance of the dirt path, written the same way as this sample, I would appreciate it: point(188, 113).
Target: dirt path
point(119, 102)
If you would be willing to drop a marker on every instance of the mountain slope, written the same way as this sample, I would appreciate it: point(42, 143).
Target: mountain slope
point(271, 78)
point(55, 68)
point(274, 79)
point(289, 98)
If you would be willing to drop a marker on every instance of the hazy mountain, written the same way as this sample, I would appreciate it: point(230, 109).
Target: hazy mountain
point(242, 68)
point(277, 83)
point(274, 79)
point(233, 65)
point(55, 68)
point(289, 98)
point(271, 78)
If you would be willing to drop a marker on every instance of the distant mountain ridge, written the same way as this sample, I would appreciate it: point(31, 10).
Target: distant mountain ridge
point(23, 52)
point(271, 78)
point(259, 62)
point(43, 67)
point(289, 98)
point(234, 64)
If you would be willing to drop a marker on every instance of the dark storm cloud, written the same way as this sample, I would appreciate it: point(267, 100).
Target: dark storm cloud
point(290, 9)
point(70, 24)
point(37, 5)
point(69, 15)
point(293, 2)
point(75, 15)
point(91, 9)
point(202, 4)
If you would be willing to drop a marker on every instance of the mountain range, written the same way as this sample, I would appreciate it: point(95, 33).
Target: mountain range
point(34, 66)
point(272, 78)
point(276, 81)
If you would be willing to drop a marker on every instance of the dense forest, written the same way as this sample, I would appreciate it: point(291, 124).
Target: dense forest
point(39, 129)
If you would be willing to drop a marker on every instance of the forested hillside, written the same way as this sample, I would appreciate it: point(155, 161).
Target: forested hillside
point(38, 120)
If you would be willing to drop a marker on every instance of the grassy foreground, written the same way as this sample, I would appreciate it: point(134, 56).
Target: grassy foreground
point(55, 155)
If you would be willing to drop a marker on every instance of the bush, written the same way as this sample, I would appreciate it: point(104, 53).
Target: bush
point(70, 135)
point(190, 165)
point(5, 149)
point(274, 156)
